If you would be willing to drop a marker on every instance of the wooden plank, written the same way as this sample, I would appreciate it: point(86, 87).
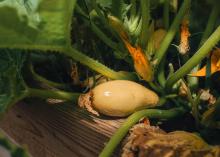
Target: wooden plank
point(58, 131)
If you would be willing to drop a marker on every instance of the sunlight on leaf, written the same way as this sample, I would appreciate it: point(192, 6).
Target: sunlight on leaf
point(37, 23)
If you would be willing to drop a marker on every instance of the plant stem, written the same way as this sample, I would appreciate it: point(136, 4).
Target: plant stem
point(145, 14)
point(39, 78)
point(134, 118)
point(171, 32)
point(101, 16)
point(96, 66)
point(133, 9)
point(166, 20)
point(55, 94)
point(161, 73)
point(211, 24)
point(193, 81)
point(80, 57)
point(155, 87)
point(103, 37)
point(97, 30)
point(194, 60)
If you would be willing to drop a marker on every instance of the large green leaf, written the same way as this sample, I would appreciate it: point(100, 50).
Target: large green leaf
point(39, 24)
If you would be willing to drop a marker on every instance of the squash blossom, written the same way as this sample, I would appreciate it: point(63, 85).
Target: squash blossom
point(215, 64)
point(141, 62)
point(184, 37)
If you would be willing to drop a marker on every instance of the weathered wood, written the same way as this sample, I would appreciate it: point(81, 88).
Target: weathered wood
point(58, 131)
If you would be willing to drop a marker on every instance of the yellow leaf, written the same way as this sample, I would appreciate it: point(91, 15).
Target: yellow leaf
point(215, 65)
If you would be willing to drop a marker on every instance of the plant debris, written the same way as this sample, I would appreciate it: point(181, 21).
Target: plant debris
point(145, 140)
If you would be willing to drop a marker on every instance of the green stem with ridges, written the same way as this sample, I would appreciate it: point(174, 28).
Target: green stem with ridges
point(193, 81)
point(145, 15)
point(133, 119)
point(77, 56)
point(194, 60)
point(55, 94)
point(171, 32)
point(98, 67)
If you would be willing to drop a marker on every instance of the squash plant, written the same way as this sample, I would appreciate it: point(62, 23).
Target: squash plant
point(121, 27)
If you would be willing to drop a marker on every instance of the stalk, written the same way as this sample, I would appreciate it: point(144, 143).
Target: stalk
point(103, 37)
point(171, 32)
point(145, 15)
point(55, 94)
point(133, 9)
point(97, 30)
point(211, 23)
point(161, 73)
point(193, 81)
point(134, 118)
point(102, 17)
point(80, 57)
point(98, 67)
point(166, 19)
point(40, 78)
point(194, 60)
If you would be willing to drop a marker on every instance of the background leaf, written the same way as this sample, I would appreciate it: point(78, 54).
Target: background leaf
point(12, 86)
point(42, 24)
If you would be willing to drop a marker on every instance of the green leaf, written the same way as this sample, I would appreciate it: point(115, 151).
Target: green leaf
point(39, 24)
point(8, 148)
point(104, 3)
point(12, 86)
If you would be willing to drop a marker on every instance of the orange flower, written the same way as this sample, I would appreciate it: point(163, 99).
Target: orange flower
point(215, 64)
point(141, 63)
point(184, 37)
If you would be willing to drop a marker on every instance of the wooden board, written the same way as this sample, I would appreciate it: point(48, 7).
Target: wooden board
point(58, 131)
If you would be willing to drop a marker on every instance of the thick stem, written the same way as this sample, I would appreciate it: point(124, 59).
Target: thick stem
point(211, 24)
point(193, 81)
point(97, 30)
point(171, 32)
point(55, 94)
point(161, 73)
point(41, 79)
point(134, 118)
point(96, 66)
point(194, 60)
point(145, 14)
point(80, 57)
point(166, 19)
